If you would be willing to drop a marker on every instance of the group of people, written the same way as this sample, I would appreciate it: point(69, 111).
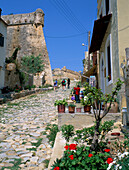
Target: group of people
point(63, 83)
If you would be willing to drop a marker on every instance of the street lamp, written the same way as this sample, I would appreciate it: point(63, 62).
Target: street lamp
point(84, 45)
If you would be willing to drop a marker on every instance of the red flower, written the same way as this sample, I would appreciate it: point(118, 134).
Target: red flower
point(66, 147)
point(107, 150)
point(109, 160)
point(72, 146)
point(90, 155)
point(56, 168)
point(109, 142)
point(71, 157)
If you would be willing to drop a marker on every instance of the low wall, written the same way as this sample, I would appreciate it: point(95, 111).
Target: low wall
point(81, 120)
point(13, 95)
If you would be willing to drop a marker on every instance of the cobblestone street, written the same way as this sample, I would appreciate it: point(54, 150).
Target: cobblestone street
point(22, 126)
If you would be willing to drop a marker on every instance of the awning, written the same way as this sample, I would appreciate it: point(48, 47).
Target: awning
point(91, 72)
point(100, 27)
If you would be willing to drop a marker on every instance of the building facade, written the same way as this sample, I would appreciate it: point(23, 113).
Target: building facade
point(3, 38)
point(110, 38)
point(25, 31)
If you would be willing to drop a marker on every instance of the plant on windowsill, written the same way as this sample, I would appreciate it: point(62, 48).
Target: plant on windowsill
point(71, 107)
point(61, 105)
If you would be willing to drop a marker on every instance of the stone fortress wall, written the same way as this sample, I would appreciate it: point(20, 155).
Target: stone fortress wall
point(65, 73)
point(26, 32)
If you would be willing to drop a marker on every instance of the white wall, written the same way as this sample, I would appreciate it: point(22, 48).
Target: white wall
point(3, 31)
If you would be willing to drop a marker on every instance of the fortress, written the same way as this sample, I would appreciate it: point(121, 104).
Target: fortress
point(26, 32)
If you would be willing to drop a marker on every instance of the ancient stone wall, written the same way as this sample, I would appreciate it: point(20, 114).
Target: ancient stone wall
point(65, 73)
point(26, 31)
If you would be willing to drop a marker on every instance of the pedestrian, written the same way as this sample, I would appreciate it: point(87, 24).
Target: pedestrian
point(72, 98)
point(77, 92)
point(55, 84)
point(63, 84)
point(68, 82)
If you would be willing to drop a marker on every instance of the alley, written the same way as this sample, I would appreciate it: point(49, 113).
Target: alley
point(22, 126)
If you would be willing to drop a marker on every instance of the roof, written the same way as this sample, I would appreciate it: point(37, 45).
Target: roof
point(3, 21)
point(100, 27)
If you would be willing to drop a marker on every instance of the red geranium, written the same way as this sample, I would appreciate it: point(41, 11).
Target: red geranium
point(109, 160)
point(71, 157)
point(66, 147)
point(72, 146)
point(56, 168)
point(90, 155)
point(107, 150)
point(109, 142)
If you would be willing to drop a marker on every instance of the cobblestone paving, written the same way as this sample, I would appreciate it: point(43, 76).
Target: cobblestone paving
point(22, 125)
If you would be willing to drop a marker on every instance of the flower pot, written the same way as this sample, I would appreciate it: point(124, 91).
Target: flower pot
point(114, 107)
point(87, 108)
point(115, 134)
point(78, 109)
point(61, 108)
point(71, 109)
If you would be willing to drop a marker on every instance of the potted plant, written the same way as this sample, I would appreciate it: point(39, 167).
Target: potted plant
point(71, 107)
point(78, 107)
point(114, 105)
point(86, 102)
point(61, 105)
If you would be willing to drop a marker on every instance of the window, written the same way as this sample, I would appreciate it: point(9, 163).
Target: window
point(1, 40)
point(108, 60)
point(107, 7)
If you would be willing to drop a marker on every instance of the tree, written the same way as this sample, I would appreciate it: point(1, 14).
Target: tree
point(96, 97)
point(32, 64)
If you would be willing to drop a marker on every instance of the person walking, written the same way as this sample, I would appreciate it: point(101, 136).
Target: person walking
point(77, 92)
point(68, 82)
point(63, 84)
point(55, 84)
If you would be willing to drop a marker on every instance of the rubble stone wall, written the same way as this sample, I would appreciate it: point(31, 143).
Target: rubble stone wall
point(65, 73)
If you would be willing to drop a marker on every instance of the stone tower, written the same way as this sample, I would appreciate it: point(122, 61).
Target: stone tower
point(26, 31)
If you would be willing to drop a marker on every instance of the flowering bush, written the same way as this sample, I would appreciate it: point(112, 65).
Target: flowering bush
point(120, 162)
point(80, 158)
point(86, 101)
point(86, 135)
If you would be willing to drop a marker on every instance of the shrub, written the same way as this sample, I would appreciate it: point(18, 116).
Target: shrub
point(53, 129)
point(67, 131)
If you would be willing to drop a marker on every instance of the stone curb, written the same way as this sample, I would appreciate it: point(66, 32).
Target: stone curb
point(58, 149)
point(12, 96)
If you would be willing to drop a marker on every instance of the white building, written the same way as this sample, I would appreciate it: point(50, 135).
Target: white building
point(3, 37)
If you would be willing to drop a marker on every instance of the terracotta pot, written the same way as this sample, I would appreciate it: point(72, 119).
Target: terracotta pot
point(114, 107)
point(87, 108)
point(61, 108)
point(71, 109)
point(115, 134)
point(78, 109)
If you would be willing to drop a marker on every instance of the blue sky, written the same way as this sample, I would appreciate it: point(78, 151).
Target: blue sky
point(63, 18)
